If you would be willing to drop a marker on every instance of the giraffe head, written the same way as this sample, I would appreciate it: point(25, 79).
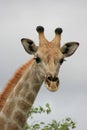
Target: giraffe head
point(49, 56)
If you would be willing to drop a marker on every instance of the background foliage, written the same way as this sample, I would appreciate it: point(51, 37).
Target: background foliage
point(65, 124)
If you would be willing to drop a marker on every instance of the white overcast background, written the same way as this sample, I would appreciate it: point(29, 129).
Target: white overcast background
point(18, 19)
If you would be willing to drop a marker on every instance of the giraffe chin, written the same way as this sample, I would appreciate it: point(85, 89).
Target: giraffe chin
point(52, 86)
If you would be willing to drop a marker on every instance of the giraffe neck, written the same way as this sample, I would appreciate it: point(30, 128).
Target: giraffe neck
point(14, 113)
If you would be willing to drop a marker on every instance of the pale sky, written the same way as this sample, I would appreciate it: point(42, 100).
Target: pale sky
point(19, 19)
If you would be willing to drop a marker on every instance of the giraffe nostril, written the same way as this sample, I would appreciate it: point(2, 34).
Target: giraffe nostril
point(54, 79)
point(49, 78)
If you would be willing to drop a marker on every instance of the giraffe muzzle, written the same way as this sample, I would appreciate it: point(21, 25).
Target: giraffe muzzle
point(52, 83)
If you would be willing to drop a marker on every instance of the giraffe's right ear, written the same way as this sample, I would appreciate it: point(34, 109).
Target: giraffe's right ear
point(29, 45)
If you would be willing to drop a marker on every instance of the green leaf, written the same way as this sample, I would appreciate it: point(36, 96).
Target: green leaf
point(42, 123)
point(47, 105)
point(35, 126)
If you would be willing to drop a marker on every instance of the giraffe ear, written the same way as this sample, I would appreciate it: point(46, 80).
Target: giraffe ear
point(69, 48)
point(29, 45)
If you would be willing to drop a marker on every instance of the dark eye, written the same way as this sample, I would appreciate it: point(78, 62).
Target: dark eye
point(38, 60)
point(61, 61)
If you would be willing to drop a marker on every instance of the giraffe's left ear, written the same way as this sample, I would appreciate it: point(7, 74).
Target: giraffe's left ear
point(29, 45)
point(69, 48)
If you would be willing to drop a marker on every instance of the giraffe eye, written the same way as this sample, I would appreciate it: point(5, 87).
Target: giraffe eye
point(38, 60)
point(61, 61)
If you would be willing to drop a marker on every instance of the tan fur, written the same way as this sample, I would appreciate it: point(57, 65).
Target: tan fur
point(12, 83)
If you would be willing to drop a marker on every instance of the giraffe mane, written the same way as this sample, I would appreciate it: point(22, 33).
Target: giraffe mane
point(12, 83)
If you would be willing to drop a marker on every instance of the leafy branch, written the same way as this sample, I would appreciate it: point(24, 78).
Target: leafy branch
point(40, 109)
point(65, 124)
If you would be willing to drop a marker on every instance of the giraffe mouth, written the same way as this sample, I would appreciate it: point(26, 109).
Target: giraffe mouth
point(52, 84)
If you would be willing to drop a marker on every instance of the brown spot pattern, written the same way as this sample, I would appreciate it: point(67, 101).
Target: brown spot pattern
point(18, 89)
point(23, 106)
point(20, 118)
point(30, 97)
point(8, 109)
point(2, 123)
point(36, 89)
point(25, 90)
point(12, 126)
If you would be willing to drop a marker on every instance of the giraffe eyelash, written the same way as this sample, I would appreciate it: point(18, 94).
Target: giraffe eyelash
point(38, 60)
point(61, 61)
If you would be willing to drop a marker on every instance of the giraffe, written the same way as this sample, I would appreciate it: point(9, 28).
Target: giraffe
point(20, 93)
